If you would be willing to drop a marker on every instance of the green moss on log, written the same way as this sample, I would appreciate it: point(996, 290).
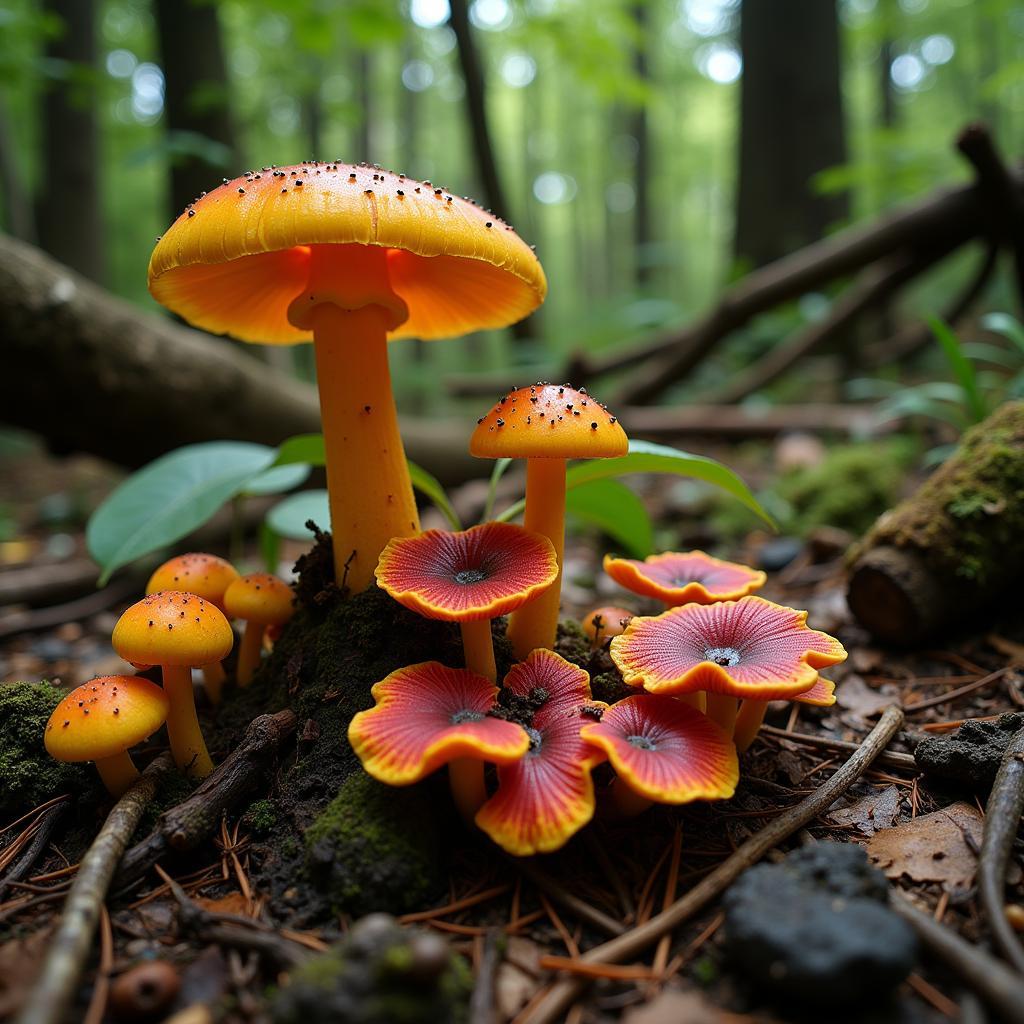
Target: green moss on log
point(967, 521)
point(28, 775)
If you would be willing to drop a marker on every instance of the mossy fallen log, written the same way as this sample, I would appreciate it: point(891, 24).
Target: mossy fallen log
point(954, 547)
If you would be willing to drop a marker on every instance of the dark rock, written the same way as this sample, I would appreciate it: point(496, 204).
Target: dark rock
point(379, 973)
point(778, 552)
point(971, 755)
point(816, 928)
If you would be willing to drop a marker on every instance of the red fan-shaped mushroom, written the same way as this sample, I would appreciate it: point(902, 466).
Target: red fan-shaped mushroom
point(548, 796)
point(751, 712)
point(428, 715)
point(749, 648)
point(663, 751)
point(679, 577)
point(469, 577)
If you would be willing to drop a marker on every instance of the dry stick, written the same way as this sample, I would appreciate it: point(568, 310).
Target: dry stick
point(962, 691)
point(583, 910)
point(1002, 817)
point(47, 821)
point(561, 996)
point(1000, 987)
point(482, 1002)
point(54, 989)
point(888, 758)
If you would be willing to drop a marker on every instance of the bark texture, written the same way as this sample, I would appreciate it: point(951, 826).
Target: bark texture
point(955, 546)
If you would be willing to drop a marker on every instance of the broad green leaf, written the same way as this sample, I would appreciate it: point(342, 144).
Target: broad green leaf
point(617, 511)
point(169, 498)
point(646, 457)
point(278, 479)
point(963, 368)
point(307, 448)
point(288, 518)
point(431, 487)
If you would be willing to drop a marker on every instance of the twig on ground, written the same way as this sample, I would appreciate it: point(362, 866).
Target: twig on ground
point(51, 996)
point(991, 979)
point(197, 818)
point(962, 691)
point(1002, 817)
point(561, 996)
point(887, 758)
point(580, 908)
point(45, 824)
point(482, 1002)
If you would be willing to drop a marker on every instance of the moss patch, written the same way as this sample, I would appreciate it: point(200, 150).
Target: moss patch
point(377, 846)
point(28, 775)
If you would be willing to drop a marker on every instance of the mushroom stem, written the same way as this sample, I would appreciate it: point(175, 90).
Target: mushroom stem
point(626, 802)
point(535, 624)
point(250, 650)
point(478, 648)
point(118, 772)
point(748, 722)
point(721, 708)
point(466, 777)
point(213, 681)
point(187, 743)
point(698, 699)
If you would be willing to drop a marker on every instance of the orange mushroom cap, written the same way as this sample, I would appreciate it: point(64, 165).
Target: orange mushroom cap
point(173, 628)
point(548, 421)
point(195, 573)
point(546, 797)
point(747, 648)
point(427, 715)
point(665, 750)
point(822, 694)
point(105, 716)
point(603, 623)
point(681, 577)
point(475, 574)
point(260, 597)
point(236, 258)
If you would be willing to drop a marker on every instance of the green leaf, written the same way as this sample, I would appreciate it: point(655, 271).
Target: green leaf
point(500, 465)
point(307, 448)
point(1006, 325)
point(169, 498)
point(963, 368)
point(617, 511)
point(431, 487)
point(646, 457)
point(278, 479)
point(288, 518)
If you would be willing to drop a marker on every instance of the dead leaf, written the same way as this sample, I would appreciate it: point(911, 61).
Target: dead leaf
point(871, 813)
point(937, 847)
point(233, 903)
point(514, 987)
point(854, 695)
point(673, 1006)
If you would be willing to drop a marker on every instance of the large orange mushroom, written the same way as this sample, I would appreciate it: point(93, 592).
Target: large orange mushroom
point(348, 256)
point(546, 424)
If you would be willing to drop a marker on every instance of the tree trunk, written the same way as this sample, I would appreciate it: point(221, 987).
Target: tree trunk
point(791, 126)
point(69, 205)
point(196, 98)
point(91, 373)
point(953, 549)
point(640, 130)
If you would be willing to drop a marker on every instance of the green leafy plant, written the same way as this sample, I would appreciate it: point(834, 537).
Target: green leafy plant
point(174, 495)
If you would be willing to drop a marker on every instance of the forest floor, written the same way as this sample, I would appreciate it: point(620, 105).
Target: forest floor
point(923, 833)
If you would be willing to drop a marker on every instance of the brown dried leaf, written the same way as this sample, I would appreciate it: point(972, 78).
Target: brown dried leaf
point(871, 813)
point(233, 903)
point(938, 847)
point(514, 987)
point(854, 695)
point(673, 1006)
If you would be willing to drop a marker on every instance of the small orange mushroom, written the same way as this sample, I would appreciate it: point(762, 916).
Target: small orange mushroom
point(261, 600)
point(102, 720)
point(349, 256)
point(178, 632)
point(470, 577)
point(547, 425)
point(681, 577)
point(603, 623)
point(207, 576)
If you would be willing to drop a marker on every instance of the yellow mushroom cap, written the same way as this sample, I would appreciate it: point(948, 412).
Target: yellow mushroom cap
point(260, 597)
point(548, 421)
point(196, 573)
point(173, 628)
point(105, 716)
point(237, 257)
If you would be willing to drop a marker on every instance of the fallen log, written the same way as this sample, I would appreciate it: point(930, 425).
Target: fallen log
point(955, 546)
point(93, 373)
